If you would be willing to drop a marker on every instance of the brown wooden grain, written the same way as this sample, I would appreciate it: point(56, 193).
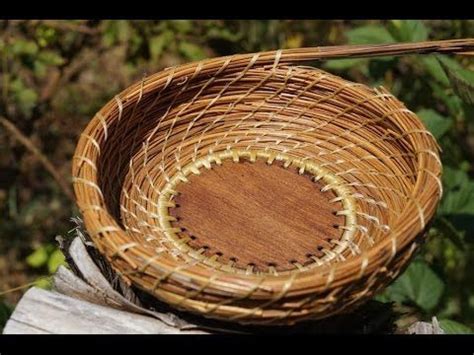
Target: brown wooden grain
point(257, 214)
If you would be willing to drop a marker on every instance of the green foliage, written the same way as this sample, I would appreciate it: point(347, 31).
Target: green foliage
point(369, 35)
point(115, 32)
point(191, 51)
point(39, 257)
point(23, 48)
point(452, 327)
point(434, 68)
point(182, 26)
point(409, 30)
point(459, 196)
point(55, 260)
point(47, 57)
point(25, 97)
point(44, 282)
point(461, 80)
point(223, 33)
point(159, 43)
point(419, 285)
point(436, 124)
point(46, 256)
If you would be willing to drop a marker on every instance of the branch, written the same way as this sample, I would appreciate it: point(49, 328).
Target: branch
point(65, 186)
point(67, 26)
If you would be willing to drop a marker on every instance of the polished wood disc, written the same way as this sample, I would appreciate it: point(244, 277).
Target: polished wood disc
point(257, 214)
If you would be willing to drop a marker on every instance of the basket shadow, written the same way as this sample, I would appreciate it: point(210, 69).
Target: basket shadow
point(373, 317)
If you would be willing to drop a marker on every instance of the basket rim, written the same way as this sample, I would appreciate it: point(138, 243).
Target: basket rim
point(102, 225)
point(127, 96)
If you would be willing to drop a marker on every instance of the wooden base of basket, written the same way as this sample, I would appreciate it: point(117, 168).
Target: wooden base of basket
point(257, 216)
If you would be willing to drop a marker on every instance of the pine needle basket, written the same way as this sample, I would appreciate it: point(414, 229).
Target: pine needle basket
point(253, 189)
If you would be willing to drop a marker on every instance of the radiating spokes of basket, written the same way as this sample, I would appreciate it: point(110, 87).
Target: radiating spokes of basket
point(251, 189)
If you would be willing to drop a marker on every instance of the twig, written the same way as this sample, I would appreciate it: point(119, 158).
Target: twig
point(18, 288)
point(452, 46)
point(41, 157)
point(67, 26)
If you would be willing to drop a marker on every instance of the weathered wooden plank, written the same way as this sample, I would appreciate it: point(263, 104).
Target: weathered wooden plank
point(425, 328)
point(95, 288)
point(44, 312)
point(88, 304)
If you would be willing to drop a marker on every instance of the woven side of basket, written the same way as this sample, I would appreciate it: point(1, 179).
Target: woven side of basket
point(360, 142)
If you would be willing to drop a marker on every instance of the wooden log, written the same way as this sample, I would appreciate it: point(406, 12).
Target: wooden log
point(49, 312)
point(425, 328)
point(89, 304)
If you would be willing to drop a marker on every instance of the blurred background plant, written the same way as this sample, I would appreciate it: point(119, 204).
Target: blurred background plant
point(54, 75)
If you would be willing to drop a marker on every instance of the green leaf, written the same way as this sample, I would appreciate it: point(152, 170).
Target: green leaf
point(418, 285)
point(124, 30)
point(115, 31)
point(182, 26)
point(452, 102)
point(158, 44)
point(55, 260)
point(412, 31)
point(25, 97)
point(448, 230)
point(449, 62)
point(454, 178)
point(436, 124)
point(50, 58)
point(370, 34)
point(39, 257)
point(223, 33)
point(459, 193)
point(434, 68)
point(44, 282)
point(462, 80)
point(344, 64)
point(191, 51)
point(453, 327)
point(39, 69)
point(22, 47)
point(459, 202)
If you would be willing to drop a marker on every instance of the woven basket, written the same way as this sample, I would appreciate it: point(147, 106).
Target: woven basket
point(250, 189)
